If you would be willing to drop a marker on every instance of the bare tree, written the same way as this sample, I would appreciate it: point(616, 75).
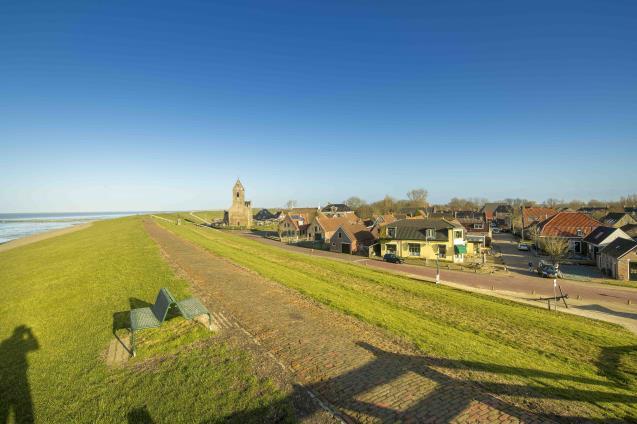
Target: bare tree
point(555, 247)
point(418, 197)
point(290, 204)
point(354, 202)
point(552, 203)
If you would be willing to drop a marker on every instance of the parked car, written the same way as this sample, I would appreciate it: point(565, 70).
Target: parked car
point(393, 258)
point(495, 230)
point(545, 270)
point(523, 246)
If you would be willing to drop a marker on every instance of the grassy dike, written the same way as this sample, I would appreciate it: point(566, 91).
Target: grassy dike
point(59, 301)
point(550, 363)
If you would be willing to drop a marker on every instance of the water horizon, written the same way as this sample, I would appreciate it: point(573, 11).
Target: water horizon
point(18, 225)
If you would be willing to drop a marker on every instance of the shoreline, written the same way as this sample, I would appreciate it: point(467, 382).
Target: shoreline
point(12, 244)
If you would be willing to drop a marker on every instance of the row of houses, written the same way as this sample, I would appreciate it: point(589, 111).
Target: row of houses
point(441, 235)
point(610, 242)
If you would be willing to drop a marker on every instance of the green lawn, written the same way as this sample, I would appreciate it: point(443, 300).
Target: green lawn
point(61, 300)
point(549, 362)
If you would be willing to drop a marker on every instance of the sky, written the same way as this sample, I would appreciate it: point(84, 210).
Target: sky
point(151, 105)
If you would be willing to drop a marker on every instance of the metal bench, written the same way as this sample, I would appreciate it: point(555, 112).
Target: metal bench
point(151, 317)
point(191, 308)
point(154, 316)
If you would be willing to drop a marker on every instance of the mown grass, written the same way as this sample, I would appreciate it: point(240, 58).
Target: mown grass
point(61, 300)
point(553, 363)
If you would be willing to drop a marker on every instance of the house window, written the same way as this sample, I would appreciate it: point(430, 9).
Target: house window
point(391, 232)
point(339, 234)
point(430, 233)
point(414, 249)
point(390, 248)
point(442, 251)
point(316, 228)
point(478, 226)
point(457, 234)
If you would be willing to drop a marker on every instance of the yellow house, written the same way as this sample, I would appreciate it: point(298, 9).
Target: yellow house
point(424, 238)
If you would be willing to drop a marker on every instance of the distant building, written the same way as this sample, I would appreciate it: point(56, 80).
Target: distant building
point(617, 219)
point(337, 209)
point(240, 213)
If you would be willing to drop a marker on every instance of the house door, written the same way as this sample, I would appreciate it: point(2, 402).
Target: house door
point(632, 271)
point(577, 247)
point(346, 248)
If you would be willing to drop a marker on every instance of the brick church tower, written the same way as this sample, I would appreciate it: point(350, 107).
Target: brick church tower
point(240, 213)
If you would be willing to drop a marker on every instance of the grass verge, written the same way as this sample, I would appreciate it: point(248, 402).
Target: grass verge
point(62, 298)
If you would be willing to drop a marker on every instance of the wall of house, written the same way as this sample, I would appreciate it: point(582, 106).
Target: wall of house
point(428, 250)
point(623, 266)
point(338, 238)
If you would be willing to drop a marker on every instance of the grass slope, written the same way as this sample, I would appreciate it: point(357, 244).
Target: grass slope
point(553, 363)
point(59, 300)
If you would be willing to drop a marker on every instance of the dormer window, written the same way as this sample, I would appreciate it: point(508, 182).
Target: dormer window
point(391, 232)
point(580, 233)
point(430, 233)
point(478, 226)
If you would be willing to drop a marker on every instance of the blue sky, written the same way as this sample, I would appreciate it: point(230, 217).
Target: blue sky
point(160, 106)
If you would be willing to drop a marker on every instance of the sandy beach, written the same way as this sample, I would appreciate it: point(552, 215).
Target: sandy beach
point(41, 236)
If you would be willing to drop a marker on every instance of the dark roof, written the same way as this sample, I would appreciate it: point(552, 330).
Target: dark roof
point(630, 209)
point(264, 214)
point(340, 207)
point(612, 217)
point(415, 229)
point(460, 215)
point(630, 229)
point(619, 247)
point(599, 234)
point(589, 209)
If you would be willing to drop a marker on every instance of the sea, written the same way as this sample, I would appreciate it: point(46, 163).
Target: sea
point(18, 225)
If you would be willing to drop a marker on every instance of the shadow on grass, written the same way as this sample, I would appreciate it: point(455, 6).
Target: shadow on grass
point(451, 398)
point(15, 392)
point(139, 416)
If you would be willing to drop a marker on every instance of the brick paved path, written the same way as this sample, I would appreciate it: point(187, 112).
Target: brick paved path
point(352, 369)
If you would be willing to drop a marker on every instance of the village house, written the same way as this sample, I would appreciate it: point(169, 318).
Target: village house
point(501, 214)
point(572, 226)
point(532, 215)
point(478, 230)
point(617, 219)
point(240, 213)
point(322, 227)
point(264, 215)
point(619, 260)
point(631, 210)
point(380, 220)
point(337, 209)
point(293, 227)
point(352, 238)
point(601, 237)
point(424, 238)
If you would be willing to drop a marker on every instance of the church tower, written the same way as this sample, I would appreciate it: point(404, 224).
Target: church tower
point(240, 213)
point(238, 193)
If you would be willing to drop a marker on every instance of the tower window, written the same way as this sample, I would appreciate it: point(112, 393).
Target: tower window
point(237, 194)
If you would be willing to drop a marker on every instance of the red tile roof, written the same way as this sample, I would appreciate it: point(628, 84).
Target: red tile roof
point(566, 224)
point(534, 214)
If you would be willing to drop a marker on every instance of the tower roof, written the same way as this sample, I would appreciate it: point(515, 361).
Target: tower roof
point(238, 184)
